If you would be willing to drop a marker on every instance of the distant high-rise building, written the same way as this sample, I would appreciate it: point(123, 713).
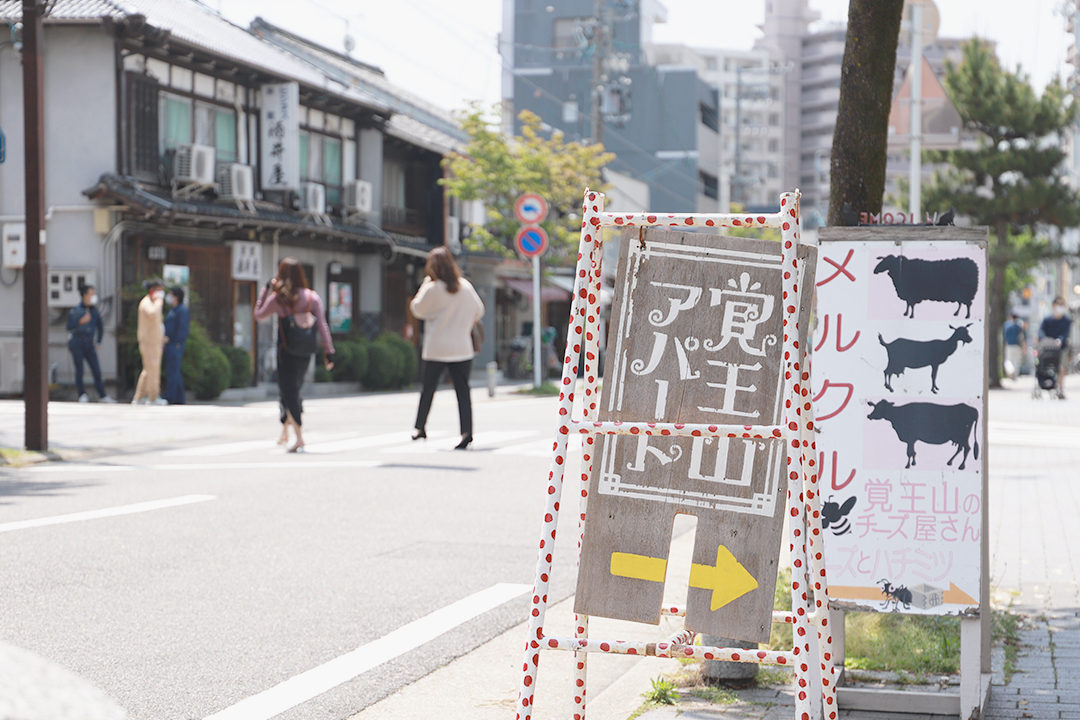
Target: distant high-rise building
point(591, 79)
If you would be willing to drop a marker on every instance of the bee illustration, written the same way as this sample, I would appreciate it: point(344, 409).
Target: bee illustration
point(835, 514)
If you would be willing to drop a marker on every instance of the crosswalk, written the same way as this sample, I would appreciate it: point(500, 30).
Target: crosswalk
point(1034, 435)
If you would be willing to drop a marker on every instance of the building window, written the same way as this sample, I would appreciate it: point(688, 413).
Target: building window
point(709, 117)
point(321, 162)
point(774, 146)
point(568, 34)
point(184, 122)
point(175, 117)
point(708, 185)
point(774, 119)
point(144, 154)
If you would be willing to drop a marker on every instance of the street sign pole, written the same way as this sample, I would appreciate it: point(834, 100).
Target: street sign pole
point(537, 375)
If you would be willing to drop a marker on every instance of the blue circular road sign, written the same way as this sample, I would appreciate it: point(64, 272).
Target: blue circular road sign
point(531, 240)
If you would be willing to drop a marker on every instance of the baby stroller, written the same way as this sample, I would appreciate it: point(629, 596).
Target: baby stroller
point(1047, 366)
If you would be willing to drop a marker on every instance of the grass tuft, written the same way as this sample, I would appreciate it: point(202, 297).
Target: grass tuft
point(544, 389)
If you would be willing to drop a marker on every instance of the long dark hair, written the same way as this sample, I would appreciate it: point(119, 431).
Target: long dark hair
point(292, 278)
point(441, 266)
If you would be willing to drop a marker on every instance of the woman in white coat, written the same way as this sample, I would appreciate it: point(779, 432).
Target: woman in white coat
point(449, 306)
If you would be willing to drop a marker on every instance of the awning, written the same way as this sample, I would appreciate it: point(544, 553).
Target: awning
point(548, 293)
point(567, 283)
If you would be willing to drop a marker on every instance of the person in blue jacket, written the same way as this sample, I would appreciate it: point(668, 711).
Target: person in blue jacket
point(84, 324)
point(177, 325)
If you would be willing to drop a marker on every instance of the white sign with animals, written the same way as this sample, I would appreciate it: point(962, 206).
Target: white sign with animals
point(898, 389)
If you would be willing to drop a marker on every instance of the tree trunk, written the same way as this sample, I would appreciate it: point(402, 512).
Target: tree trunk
point(998, 302)
point(859, 142)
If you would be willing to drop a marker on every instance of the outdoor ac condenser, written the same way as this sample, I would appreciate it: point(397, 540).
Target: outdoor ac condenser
point(312, 198)
point(236, 182)
point(194, 165)
point(358, 196)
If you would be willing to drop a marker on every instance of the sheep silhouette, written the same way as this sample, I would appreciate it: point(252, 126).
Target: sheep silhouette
point(904, 353)
point(915, 280)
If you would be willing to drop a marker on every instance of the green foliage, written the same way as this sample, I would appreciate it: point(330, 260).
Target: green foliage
point(384, 367)
point(1005, 627)
point(663, 692)
point(906, 643)
point(406, 352)
point(780, 638)
point(497, 170)
point(1011, 181)
point(239, 364)
point(350, 360)
point(205, 368)
point(322, 375)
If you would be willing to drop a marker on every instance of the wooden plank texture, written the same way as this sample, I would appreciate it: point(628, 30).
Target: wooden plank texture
point(696, 336)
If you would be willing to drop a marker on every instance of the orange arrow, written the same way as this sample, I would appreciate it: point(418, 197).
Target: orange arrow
point(727, 579)
point(956, 596)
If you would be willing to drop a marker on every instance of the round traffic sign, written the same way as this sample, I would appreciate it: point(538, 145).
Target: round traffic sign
point(531, 240)
point(530, 208)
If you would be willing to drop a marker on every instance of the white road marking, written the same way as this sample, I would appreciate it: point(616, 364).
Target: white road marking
point(105, 512)
point(314, 682)
point(287, 462)
point(541, 448)
point(232, 448)
point(367, 441)
point(484, 440)
point(1034, 435)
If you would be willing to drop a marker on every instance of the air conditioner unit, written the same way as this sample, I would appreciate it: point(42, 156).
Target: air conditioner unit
point(358, 195)
point(312, 198)
point(194, 165)
point(236, 182)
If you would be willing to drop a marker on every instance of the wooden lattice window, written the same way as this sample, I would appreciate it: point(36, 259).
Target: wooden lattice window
point(144, 158)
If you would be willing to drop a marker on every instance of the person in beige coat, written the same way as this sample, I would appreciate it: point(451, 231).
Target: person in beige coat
point(150, 332)
point(449, 306)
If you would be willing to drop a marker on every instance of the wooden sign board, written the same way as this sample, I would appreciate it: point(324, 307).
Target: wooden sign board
point(696, 337)
point(899, 390)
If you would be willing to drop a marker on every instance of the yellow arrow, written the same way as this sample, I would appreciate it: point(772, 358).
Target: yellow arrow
point(728, 579)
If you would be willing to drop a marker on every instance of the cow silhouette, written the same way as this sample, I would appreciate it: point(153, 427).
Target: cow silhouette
point(904, 353)
point(915, 280)
point(932, 424)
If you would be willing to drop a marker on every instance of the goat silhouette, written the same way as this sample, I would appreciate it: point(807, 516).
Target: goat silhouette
point(904, 353)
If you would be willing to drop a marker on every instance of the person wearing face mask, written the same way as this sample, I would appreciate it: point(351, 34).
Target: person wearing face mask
point(1057, 325)
point(150, 332)
point(177, 325)
point(84, 324)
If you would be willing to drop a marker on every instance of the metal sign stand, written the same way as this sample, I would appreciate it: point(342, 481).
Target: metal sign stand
point(815, 674)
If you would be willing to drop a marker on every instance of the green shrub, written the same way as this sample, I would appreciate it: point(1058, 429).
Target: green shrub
point(406, 354)
point(322, 374)
point(384, 366)
point(350, 361)
point(205, 368)
point(240, 365)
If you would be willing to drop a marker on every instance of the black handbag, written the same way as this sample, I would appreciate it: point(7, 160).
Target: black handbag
point(298, 334)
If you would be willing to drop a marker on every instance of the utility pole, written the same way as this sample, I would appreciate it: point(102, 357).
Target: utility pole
point(599, 47)
point(35, 319)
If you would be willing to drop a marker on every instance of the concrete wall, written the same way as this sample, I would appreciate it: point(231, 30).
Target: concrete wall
point(80, 135)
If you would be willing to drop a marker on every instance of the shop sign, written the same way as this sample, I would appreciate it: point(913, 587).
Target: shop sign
point(280, 136)
point(246, 261)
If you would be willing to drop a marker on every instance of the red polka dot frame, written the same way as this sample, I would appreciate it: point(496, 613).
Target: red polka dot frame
point(815, 695)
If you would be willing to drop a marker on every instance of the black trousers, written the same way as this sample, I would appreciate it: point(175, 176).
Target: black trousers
point(290, 377)
point(459, 374)
point(82, 350)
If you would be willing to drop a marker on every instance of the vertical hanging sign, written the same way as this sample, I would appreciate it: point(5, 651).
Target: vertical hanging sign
point(899, 388)
point(280, 136)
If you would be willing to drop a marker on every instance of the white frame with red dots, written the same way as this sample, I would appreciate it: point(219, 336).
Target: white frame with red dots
point(815, 685)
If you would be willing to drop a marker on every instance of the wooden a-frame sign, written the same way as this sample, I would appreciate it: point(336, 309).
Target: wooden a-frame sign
point(695, 337)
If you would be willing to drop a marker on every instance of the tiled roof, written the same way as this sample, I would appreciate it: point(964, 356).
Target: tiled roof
point(152, 201)
point(196, 24)
point(414, 118)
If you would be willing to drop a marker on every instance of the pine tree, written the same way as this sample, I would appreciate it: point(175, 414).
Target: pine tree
point(497, 169)
point(1012, 181)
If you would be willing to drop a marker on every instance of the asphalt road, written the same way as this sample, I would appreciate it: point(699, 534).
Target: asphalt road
point(256, 567)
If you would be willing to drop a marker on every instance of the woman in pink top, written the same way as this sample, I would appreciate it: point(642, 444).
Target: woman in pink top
point(449, 306)
point(288, 295)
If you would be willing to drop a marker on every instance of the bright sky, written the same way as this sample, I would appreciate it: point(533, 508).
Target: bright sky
point(446, 51)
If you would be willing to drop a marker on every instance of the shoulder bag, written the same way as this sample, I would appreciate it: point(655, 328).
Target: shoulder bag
point(298, 333)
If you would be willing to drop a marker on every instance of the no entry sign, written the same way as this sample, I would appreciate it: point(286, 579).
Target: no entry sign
point(530, 208)
point(531, 240)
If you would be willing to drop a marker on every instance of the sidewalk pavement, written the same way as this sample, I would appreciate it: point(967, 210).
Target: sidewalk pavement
point(1035, 570)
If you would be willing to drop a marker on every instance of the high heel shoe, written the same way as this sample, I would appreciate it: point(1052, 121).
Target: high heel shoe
point(419, 434)
point(466, 440)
